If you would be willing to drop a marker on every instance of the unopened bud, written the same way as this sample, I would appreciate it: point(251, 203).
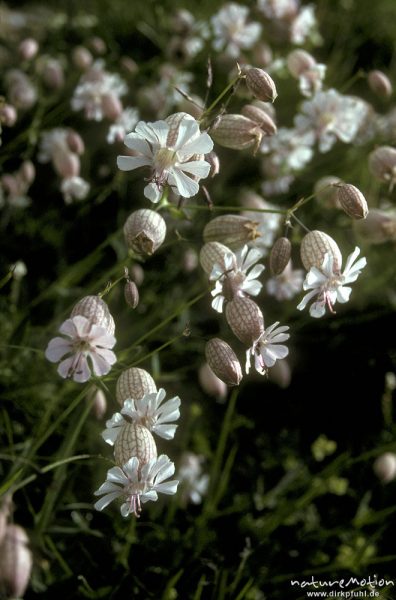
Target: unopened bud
point(144, 231)
point(212, 253)
point(99, 403)
point(223, 361)
point(82, 58)
point(380, 84)
point(15, 561)
point(214, 162)
point(280, 374)
point(28, 171)
point(96, 311)
point(382, 164)
point(245, 319)
point(262, 54)
point(314, 247)
point(137, 273)
point(378, 228)
point(190, 260)
point(129, 65)
point(210, 383)
point(111, 106)
point(133, 384)
point(28, 49)
point(261, 117)
point(325, 191)
point(352, 201)
point(8, 115)
point(232, 230)
point(299, 61)
point(385, 467)
point(75, 142)
point(261, 85)
point(66, 164)
point(134, 440)
point(52, 74)
point(131, 294)
point(97, 44)
point(236, 132)
point(280, 255)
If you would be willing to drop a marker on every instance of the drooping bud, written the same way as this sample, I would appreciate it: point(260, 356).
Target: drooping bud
point(210, 383)
point(378, 228)
point(144, 231)
point(223, 361)
point(211, 253)
point(82, 58)
point(111, 106)
point(314, 247)
point(299, 61)
point(133, 384)
point(96, 310)
point(131, 294)
point(214, 162)
point(326, 192)
point(28, 171)
point(66, 164)
point(261, 117)
point(15, 561)
point(190, 260)
point(8, 115)
point(352, 201)
point(380, 84)
point(261, 84)
point(99, 403)
point(382, 164)
point(28, 48)
point(134, 440)
point(280, 255)
point(232, 230)
point(245, 319)
point(75, 142)
point(236, 132)
point(137, 273)
point(385, 467)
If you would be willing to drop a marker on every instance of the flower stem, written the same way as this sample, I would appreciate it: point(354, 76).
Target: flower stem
point(221, 96)
point(237, 209)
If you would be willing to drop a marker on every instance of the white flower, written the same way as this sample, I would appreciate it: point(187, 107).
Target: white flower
point(123, 125)
point(136, 485)
point(87, 341)
point(311, 80)
point(290, 150)
point(287, 284)
point(268, 348)
point(278, 9)
point(268, 222)
point(328, 286)
point(193, 482)
point(330, 116)
point(149, 412)
point(74, 188)
point(172, 162)
point(303, 25)
point(231, 32)
point(236, 277)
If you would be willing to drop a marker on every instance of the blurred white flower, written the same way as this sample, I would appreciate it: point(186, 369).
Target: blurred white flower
point(237, 277)
point(87, 341)
point(330, 116)
point(311, 80)
point(74, 188)
point(304, 25)
point(149, 412)
point(290, 150)
point(137, 484)
point(194, 484)
point(172, 161)
point(19, 270)
point(123, 125)
point(278, 9)
point(231, 31)
point(268, 348)
point(328, 285)
point(287, 284)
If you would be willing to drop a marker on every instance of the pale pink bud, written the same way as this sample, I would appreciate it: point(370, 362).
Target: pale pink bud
point(261, 84)
point(133, 384)
point(245, 319)
point(262, 54)
point(15, 561)
point(144, 231)
point(131, 294)
point(75, 142)
point(66, 164)
point(232, 230)
point(325, 191)
point(28, 171)
point(129, 65)
point(99, 403)
point(280, 255)
point(314, 247)
point(28, 49)
point(10, 184)
point(190, 260)
point(137, 274)
point(52, 74)
point(223, 361)
point(380, 84)
point(82, 58)
point(95, 310)
point(210, 383)
point(382, 164)
point(299, 61)
point(385, 467)
point(111, 106)
point(97, 44)
point(8, 115)
point(22, 94)
point(134, 440)
point(352, 201)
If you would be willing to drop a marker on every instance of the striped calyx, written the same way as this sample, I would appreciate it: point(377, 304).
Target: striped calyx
point(133, 384)
point(134, 440)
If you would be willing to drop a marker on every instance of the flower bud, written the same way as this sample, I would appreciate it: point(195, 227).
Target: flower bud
point(262, 54)
point(97, 44)
point(314, 246)
point(15, 561)
point(380, 84)
point(385, 467)
point(28, 171)
point(99, 403)
point(214, 162)
point(144, 231)
point(280, 255)
point(28, 49)
point(326, 192)
point(280, 374)
point(111, 106)
point(190, 260)
point(129, 65)
point(96, 310)
point(134, 440)
point(211, 253)
point(382, 164)
point(137, 273)
point(245, 319)
point(261, 117)
point(131, 294)
point(299, 61)
point(75, 142)
point(133, 384)
point(261, 85)
point(236, 132)
point(82, 58)
point(232, 230)
point(210, 383)
point(352, 201)
point(378, 228)
point(223, 361)
point(8, 115)
point(66, 164)
point(52, 74)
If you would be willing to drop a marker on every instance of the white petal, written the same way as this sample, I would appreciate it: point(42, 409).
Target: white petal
point(99, 364)
point(153, 192)
point(306, 299)
point(317, 309)
point(129, 163)
point(167, 432)
point(57, 348)
point(105, 501)
point(217, 303)
point(170, 487)
point(252, 287)
point(199, 168)
point(343, 294)
point(134, 141)
point(201, 145)
point(185, 186)
point(255, 272)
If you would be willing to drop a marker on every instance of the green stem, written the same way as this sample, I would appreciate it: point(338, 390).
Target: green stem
point(236, 209)
point(220, 96)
